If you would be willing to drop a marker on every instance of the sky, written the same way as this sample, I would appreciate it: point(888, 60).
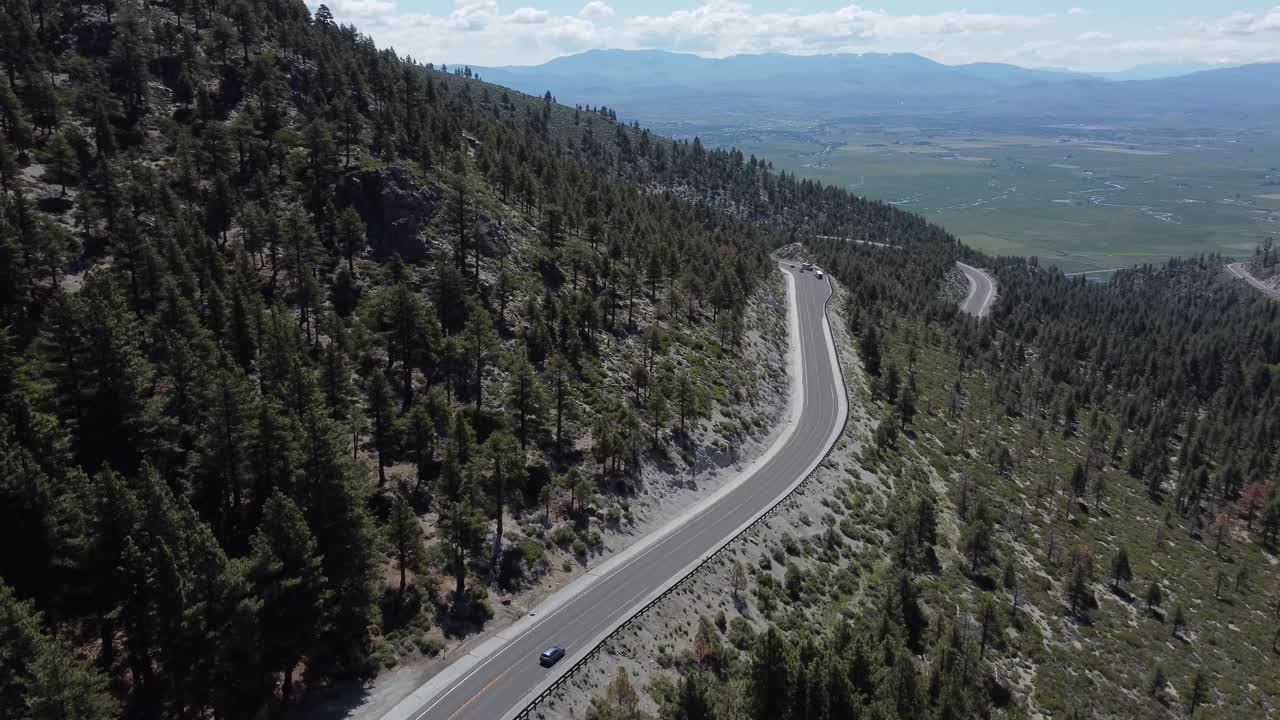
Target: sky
point(1076, 34)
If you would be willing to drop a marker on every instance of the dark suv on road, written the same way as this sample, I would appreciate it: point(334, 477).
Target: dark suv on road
point(551, 656)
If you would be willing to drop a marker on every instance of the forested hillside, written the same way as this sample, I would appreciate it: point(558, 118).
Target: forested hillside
point(1070, 509)
point(1108, 454)
point(274, 299)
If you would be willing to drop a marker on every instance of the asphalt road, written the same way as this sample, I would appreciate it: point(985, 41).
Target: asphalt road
point(982, 291)
point(1242, 272)
point(503, 671)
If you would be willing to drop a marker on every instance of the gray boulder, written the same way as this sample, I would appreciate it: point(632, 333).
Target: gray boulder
point(394, 207)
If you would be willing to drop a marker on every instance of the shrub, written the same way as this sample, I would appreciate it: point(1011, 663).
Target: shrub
point(740, 633)
point(563, 535)
point(794, 581)
point(477, 609)
point(429, 646)
point(790, 545)
point(534, 554)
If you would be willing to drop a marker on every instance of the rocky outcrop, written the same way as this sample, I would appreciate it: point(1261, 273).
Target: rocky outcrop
point(394, 207)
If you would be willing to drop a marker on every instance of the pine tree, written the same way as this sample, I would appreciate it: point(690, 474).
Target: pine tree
point(40, 677)
point(525, 400)
point(622, 695)
point(459, 210)
point(404, 539)
point(1196, 695)
point(346, 539)
point(351, 236)
point(417, 432)
point(224, 451)
point(412, 334)
point(1158, 681)
point(1120, 570)
point(506, 460)
point(691, 701)
point(690, 399)
point(61, 164)
point(93, 349)
point(273, 457)
point(869, 351)
point(1010, 583)
point(560, 381)
point(907, 405)
point(8, 164)
point(772, 676)
point(481, 343)
point(738, 579)
point(350, 121)
point(381, 420)
point(659, 414)
point(285, 570)
point(977, 537)
point(1154, 595)
point(13, 118)
point(460, 523)
point(1080, 573)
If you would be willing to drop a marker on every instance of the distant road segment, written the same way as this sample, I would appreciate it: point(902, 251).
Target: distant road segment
point(982, 291)
point(1240, 270)
point(502, 672)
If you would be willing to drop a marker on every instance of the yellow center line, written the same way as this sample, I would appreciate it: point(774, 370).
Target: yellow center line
point(483, 690)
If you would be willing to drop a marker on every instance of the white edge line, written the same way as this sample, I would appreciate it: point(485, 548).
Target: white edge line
point(841, 415)
point(413, 704)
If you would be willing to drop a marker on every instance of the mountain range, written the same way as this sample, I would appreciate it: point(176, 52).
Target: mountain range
point(671, 87)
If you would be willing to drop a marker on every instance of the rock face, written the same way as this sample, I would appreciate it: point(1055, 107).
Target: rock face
point(394, 207)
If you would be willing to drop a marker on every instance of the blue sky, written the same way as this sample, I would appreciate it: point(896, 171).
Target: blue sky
point(1083, 35)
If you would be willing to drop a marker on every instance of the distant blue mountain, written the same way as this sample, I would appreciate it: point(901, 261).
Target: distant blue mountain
point(680, 88)
point(1012, 75)
point(631, 71)
point(1159, 71)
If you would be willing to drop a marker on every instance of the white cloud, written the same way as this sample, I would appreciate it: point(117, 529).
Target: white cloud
point(1093, 35)
point(1120, 54)
point(1243, 23)
point(596, 9)
point(479, 31)
point(529, 16)
point(1075, 11)
point(362, 10)
point(726, 27)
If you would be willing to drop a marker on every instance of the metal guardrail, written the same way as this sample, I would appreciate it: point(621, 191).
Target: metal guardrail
point(560, 682)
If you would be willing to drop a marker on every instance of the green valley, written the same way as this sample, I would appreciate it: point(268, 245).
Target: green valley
point(1080, 198)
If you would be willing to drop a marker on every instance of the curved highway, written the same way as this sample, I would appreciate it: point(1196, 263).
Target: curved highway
point(1241, 271)
point(982, 291)
point(499, 675)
